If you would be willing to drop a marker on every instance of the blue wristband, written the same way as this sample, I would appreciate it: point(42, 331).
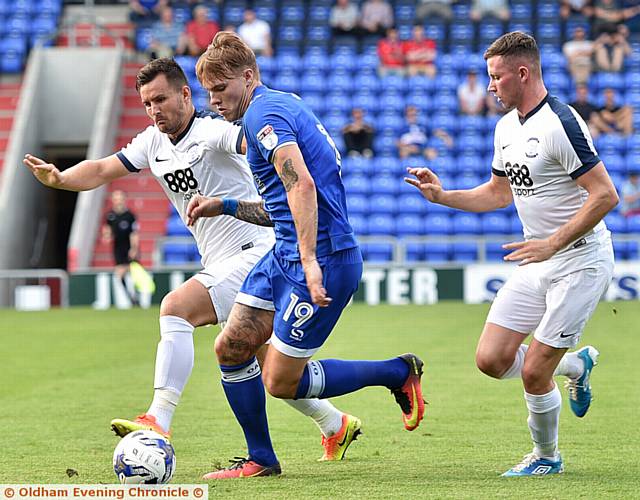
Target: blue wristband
point(229, 206)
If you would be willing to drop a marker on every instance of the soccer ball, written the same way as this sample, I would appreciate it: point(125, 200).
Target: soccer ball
point(144, 457)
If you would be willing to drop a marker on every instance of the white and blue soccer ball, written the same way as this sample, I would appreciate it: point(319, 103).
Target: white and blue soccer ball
point(144, 457)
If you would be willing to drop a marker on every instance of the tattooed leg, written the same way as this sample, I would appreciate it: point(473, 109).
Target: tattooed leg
point(246, 331)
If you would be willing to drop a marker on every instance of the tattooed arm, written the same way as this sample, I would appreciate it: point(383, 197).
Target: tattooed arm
point(303, 203)
point(248, 211)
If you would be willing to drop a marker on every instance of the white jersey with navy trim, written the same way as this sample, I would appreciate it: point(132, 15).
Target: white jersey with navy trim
point(542, 155)
point(204, 159)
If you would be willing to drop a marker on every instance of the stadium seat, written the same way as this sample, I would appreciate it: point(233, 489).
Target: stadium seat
point(358, 204)
point(493, 223)
point(338, 103)
point(385, 184)
point(175, 227)
point(414, 252)
point(464, 251)
point(382, 204)
point(495, 252)
point(437, 252)
point(413, 203)
point(466, 223)
point(368, 102)
point(356, 184)
point(620, 250)
point(177, 253)
point(602, 80)
point(437, 224)
point(409, 224)
point(377, 252)
point(359, 224)
point(381, 225)
point(616, 223)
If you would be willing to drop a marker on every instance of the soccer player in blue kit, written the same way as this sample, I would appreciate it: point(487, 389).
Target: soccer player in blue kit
point(299, 289)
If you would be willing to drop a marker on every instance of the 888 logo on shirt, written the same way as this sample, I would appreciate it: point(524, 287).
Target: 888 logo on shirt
point(181, 180)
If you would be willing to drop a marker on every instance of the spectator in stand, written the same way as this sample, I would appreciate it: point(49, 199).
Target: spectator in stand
point(256, 33)
point(589, 112)
point(146, 11)
point(414, 139)
point(579, 52)
point(471, 95)
point(494, 8)
point(420, 53)
point(200, 31)
point(376, 17)
point(358, 135)
point(168, 37)
point(426, 9)
point(391, 54)
point(608, 15)
point(571, 7)
point(631, 195)
point(344, 18)
point(611, 49)
point(619, 118)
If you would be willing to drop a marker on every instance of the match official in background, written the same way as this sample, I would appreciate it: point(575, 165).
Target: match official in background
point(122, 229)
point(545, 161)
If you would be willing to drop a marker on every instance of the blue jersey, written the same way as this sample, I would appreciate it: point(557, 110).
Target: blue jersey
point(275, 119)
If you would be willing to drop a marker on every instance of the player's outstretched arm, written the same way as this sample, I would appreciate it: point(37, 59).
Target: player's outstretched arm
point(493, 194)
point(86, 175)
point(303, 202)
point(248, 211)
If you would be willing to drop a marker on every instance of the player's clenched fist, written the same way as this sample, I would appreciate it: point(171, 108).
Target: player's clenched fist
point(203, 206)
point(426, 181)
point(47, 173)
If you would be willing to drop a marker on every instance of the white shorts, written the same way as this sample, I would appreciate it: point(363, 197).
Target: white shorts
point(224, 279)
point(555, 298)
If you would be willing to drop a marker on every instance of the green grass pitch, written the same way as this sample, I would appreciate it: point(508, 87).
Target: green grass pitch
point(65, 374)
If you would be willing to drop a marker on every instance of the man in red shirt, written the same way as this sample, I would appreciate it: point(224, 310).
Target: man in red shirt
point(420, 53)
point(200, 31)
point(391, 54)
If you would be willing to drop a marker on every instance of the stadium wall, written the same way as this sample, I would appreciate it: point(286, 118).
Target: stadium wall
point(396, 285)
point(62, 103)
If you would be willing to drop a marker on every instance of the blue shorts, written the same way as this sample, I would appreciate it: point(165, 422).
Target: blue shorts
point(299, 326)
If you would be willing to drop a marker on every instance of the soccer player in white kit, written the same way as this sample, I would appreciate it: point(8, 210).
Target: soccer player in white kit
point(544, 161)
point(191, 153)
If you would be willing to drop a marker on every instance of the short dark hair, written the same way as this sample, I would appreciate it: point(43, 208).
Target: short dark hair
point(163, 66)
point(516, 45)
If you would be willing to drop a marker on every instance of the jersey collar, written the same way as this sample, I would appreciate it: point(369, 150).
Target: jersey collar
point(534, 110)
point(185, 131)
point(258, 91)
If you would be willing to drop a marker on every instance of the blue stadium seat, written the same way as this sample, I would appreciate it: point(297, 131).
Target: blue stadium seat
point(446, 121)
point(319, 13)
point(377, 252)
point(356, 184)
point(616, 81)
point(382, 203)
point(266, 13)
point(471, 124)
point(175, 227)
point(467, 181)
point(548, 12)
point(415, 252)
point(495, 252)
point(392, 122)
point(11, 61)
point(436, 31)
point(393, 83)
point(368, 62)
point(334, 123)
point(177, 253)
point(466, 223)
point(620, 250)
point(420, 100)
point(315, 101)
point(367, 81)
point(614, 163)
point(292, 13)
point(381, 225)
point(312, 81)
point(558, 81)
point(343, 61)
point(388, 165)
point(462, 33)
point(413, 203)
point(462, 251)
point(368, 101)
point(359, 224)
point(493, 223)
point(287, 82)
point(339, 102)
point(358, 204)
point(392, 101)
point(489, 31)
point(318, 36)
point(315, 61)
point(385, 144)
point(632, 250)
point(437, 223)
point(437, 252)
point(521, 12)
point(616, 223)
point(385, 184)
point(516, 225)
point(357, 165)
point(233, 15)
point(408, 224)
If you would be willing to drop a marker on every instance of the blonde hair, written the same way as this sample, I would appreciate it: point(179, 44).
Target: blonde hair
point(516, 45)
point(226, 57)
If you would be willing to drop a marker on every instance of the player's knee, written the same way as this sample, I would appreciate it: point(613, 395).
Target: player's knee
point(230, 350)
point(490, 364)
point(171, 305)
point(532, 379)
point(279, 387)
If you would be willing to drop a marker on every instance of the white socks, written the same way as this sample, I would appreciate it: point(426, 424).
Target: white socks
point(544, 414)
point(570, 365)
point(174, 361)
point(327, 417)
point(516, 368)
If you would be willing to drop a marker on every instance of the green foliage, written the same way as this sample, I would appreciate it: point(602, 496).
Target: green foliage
point(66, 374)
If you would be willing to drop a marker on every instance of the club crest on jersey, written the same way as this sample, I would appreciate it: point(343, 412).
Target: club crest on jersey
point(268, 137)
point(532, 147)
point(194, 153)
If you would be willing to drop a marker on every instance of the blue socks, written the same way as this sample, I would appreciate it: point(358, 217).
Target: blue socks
point(334, 377)
point(245, 392)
